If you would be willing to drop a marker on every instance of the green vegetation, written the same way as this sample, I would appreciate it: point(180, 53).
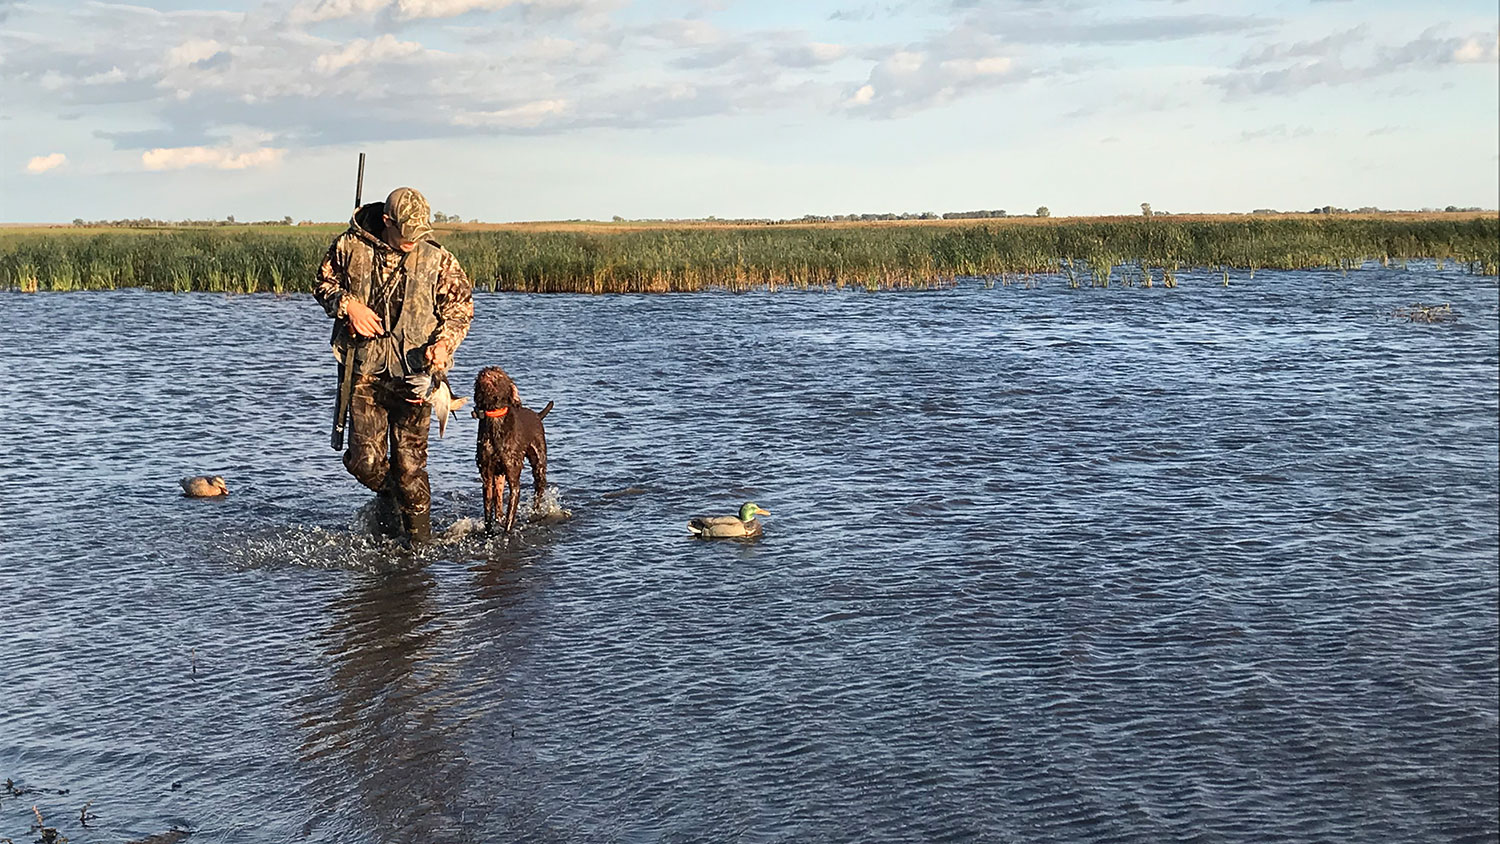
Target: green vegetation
point(602, 259)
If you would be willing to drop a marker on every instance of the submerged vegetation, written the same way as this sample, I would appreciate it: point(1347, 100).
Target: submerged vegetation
point(1426, 313)
point(1144, 251)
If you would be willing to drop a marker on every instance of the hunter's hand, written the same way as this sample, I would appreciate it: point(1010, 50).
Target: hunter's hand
point(363, 319)
point(439, 356)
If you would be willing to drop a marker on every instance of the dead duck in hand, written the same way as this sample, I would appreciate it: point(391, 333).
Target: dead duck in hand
point(204, 486)
point(725, 527)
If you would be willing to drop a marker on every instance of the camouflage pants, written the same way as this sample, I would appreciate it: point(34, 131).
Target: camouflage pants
point(388, 442)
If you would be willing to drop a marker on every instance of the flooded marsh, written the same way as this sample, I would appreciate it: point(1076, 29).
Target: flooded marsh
point(1043, 564)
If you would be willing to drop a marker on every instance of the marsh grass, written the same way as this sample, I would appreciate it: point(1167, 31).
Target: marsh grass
point(687, 258)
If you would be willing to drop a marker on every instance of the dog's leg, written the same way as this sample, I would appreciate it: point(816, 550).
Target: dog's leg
point(538, 457)
point(492, 489)
point(512, 494)
point(502, 494)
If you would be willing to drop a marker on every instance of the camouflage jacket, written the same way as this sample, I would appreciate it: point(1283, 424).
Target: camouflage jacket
point(422, 297)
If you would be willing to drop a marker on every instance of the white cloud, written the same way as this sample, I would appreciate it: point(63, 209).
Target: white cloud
point(826, 52)
point(422, 9)
point(327, 10)
point(1432, 48)
point(43, 163)
point(1475, 51)
point(223, 159)
point(1067, 23)
point(795, 53)
point(1327, 47)
point(904, 63)
point(907, 80)
point(551, 49)
point(992, 66)
point(537, 65)
point(361, 51)
point(683, 33)
point(317, 11)
point(527, 66)
point(526, 116)
point(1316, 63)
point(192, 52)
point(1285, 80)
point(108, 77)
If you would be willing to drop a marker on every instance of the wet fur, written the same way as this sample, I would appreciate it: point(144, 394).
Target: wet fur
point(505, 443)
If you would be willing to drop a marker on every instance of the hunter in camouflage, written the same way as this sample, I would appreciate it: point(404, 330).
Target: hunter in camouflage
point(402, 304)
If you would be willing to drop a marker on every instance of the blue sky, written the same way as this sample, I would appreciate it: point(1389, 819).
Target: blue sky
point(506, 110)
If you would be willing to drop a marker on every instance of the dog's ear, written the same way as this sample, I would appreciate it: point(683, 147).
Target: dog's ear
point(515, 395)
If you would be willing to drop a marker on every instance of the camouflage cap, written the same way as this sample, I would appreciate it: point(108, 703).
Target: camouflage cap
point(409, 210)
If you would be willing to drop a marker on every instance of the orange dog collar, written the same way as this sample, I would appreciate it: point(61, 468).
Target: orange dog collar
point(496, 414)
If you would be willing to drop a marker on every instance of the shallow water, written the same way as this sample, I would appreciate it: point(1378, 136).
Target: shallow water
point(1043, 564)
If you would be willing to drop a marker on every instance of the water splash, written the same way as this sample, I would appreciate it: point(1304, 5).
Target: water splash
point(317, 547)
point(465, 527)
point(549, 508)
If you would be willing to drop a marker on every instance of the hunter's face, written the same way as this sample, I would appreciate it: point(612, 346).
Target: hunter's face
point(393, 237)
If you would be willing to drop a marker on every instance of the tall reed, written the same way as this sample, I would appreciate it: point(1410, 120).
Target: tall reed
point(686, 258)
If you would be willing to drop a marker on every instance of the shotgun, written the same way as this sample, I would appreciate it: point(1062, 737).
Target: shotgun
point(346, 366)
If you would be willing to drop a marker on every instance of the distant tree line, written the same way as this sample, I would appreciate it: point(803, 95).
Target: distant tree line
point(849, 218)
point(441, 217)
point(1367, 209)
point(974, 215)
point(829, 218)
point(152, 223)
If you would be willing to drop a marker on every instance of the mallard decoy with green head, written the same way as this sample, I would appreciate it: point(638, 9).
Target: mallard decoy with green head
point(204, 486)
point(725, 527)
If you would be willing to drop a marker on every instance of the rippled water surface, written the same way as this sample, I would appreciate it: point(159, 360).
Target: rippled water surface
point(1212, 564)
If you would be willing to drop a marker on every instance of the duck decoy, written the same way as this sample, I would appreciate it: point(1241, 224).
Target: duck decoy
point(204, 486)
point(724, 527)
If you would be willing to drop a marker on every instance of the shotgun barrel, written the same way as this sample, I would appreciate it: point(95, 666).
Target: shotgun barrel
point(359, 181)
point(346, 366)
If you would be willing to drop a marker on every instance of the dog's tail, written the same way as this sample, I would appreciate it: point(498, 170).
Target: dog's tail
point(545, 411)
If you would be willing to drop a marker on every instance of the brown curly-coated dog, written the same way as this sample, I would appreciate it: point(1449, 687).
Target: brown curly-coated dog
point(508, 435)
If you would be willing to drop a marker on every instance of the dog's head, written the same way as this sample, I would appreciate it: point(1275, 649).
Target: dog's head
point(493, 390)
